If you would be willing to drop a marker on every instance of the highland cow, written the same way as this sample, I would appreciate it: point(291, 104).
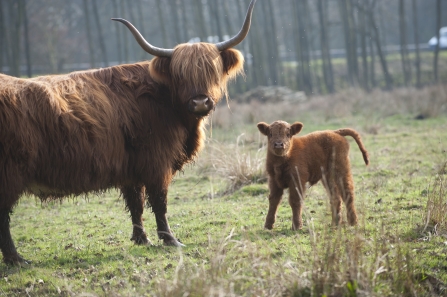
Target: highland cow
point(294, 161)
point(130, 127)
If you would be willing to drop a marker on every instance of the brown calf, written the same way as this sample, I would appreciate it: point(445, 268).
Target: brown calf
point(291, 162)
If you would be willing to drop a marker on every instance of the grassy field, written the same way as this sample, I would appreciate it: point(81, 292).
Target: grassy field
point(217, 207)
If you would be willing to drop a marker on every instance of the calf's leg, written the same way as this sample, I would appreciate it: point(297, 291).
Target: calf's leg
point(134, 198)
point(334, 197)
point(347, 185)
point(275, 197)
point(296, 203)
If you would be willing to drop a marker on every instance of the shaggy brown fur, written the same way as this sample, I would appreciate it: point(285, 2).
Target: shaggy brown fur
point(130, 126)
point(294, 161)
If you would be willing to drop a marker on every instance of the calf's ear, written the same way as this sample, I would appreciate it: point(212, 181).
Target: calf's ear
point(263, 128)
point(296, 127)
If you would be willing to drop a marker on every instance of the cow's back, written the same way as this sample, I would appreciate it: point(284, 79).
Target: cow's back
point(65, 133)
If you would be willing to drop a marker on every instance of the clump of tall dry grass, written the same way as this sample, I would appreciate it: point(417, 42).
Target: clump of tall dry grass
point(236, 164)
point(341, 262)
point(231, 268)
point(435, 216)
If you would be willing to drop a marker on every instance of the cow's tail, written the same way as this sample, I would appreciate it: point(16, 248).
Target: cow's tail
point(357, 138)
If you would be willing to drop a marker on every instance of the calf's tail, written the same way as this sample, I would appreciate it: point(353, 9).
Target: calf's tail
point(357, 138)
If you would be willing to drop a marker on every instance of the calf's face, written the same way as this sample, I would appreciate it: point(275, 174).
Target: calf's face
point(279, 135)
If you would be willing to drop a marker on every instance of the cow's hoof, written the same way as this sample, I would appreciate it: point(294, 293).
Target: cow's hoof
point(173, 242)
point(16, 260)
point(141, 239)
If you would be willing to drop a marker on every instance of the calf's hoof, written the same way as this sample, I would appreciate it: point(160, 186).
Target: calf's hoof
point(297, 227)
point(268, 226)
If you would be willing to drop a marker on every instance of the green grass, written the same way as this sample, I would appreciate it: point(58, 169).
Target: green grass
point(81, 246)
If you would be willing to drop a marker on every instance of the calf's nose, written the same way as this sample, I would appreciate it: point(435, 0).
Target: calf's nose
point(279, 145)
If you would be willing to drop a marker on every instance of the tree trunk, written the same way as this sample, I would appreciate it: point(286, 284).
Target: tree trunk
point(302, 48)
point(363, 34)
point(372, 54)
point(416, 42)
point(89, 35)
point(27, 43)
point(102, 45)
point(141, 17)
point(15, 17)
point(325, 48)
point(270, 42)
point(175, 20)
point(215, 11)
point(438, 27)
point(3, 47)
point(200, 20)
point(376, 38)
point(162, 25)
point(118, 32)
point(346, 13)
point(126, 36)
point(406, 68)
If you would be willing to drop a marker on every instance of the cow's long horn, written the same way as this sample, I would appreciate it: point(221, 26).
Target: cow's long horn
point(221, 46)
point(156, 51)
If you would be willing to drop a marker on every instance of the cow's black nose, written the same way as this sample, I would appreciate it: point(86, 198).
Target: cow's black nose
point(201, 105)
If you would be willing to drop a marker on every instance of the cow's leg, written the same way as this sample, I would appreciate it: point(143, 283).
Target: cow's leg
point(275, 197)
point(134, 198)
point(158, 203)
point(10, 255)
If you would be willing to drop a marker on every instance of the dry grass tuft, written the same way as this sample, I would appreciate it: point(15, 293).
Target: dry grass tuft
point(235, 268)
point(236, 164)
point(435, 216)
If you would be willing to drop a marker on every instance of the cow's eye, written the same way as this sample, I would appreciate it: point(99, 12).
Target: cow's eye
point(271, 134)
point(288, 134)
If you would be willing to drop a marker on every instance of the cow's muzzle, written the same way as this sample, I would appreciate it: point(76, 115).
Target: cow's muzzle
point(201, 105)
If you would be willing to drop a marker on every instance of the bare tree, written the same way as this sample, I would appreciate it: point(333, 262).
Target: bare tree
point(117, 31)
point(406, 67)
point(89, 34)
point(200, 20)
point(162, 24)
point(102, 45)
point(304, 79)
point(416, 42)
point(15, 17)
point(272, 44)
point(126, 37)
point(3, 47)
point(376, 37)
point(438, 27)
point(325, 48)
point(27, 42)
point(346, 14)
point(215, 11)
